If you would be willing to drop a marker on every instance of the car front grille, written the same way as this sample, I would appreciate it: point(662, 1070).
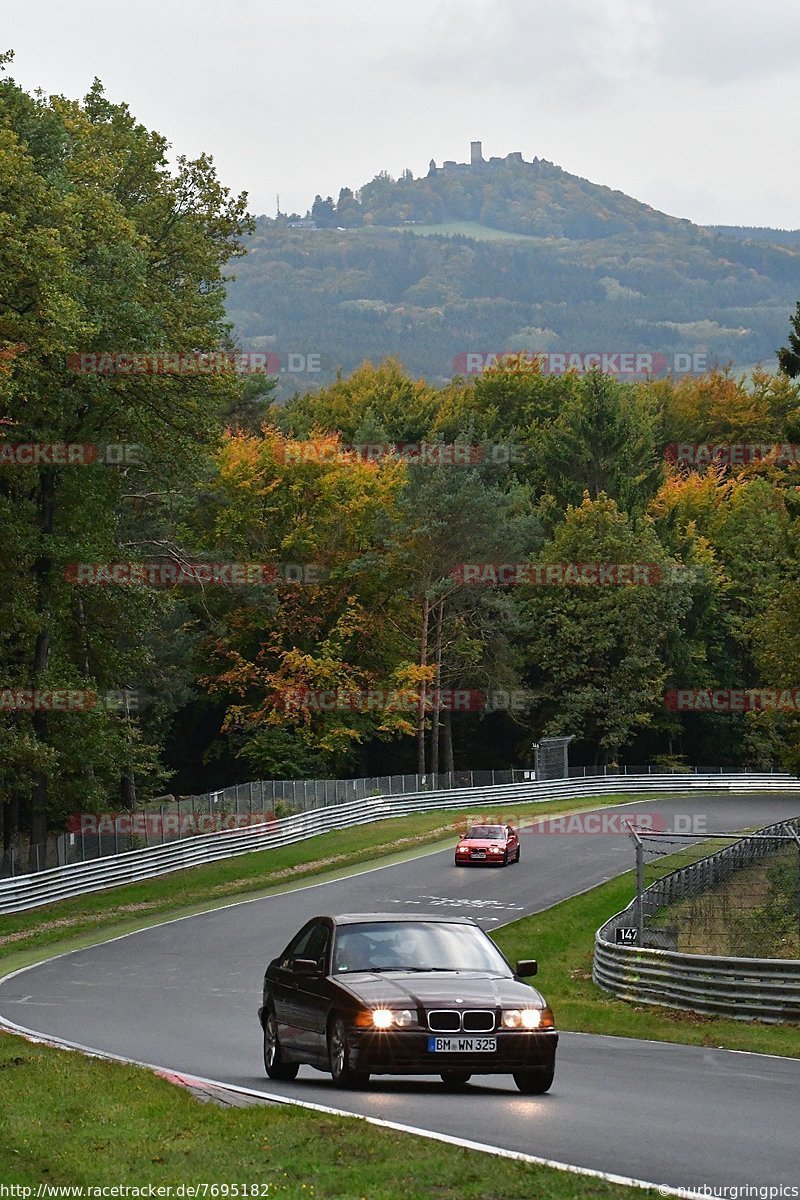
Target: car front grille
point(450, 1020)
point(477, 1020)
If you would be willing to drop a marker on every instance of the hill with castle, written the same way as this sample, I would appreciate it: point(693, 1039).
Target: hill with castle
point(501, 254)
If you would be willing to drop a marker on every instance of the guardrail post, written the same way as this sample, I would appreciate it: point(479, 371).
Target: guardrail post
point(790, 829)
point(639, 883)
point(640, 890)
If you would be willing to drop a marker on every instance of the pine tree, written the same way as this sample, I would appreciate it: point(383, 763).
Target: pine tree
point(789, 356)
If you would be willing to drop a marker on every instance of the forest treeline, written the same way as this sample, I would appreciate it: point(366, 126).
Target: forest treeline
point(241, 556)
point(350, 294)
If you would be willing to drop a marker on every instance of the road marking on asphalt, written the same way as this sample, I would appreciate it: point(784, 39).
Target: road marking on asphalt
point(464, 902)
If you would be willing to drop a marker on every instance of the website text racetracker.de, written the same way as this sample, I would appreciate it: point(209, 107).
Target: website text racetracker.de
point(632, 363)
point(599, 822)
point(497, 574)
point(168, 824)
point(411, 700)
point(192, 362)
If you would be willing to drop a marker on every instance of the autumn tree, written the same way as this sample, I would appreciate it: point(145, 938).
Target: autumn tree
point(105, 248)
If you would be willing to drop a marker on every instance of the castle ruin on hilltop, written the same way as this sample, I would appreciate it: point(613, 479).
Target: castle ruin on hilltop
point(476, 162)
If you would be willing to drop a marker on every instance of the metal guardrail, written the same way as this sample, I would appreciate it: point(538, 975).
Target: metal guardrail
point(763, 989)
point(31, 891)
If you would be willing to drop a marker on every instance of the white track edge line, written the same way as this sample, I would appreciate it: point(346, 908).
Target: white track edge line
point(380, 1122)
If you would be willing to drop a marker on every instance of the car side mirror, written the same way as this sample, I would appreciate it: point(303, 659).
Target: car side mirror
point(527, 966)
point(305, 966)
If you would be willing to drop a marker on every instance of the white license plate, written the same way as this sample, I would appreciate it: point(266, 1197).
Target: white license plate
point(479, 854)
point(462, 1045)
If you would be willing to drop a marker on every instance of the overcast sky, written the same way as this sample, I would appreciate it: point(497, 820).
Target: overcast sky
point(692, 106)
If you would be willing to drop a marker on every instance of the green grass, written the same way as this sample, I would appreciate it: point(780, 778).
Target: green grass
point(28, 936)
point(470, 229)
point(71, 1120)
point(562, 939)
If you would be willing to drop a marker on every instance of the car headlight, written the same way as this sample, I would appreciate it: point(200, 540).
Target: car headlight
point(527, 1018)
point(495, 849)
point(385, 1018)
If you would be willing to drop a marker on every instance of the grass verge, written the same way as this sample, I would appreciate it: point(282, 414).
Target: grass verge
point(562, 939)
point(74, 1121)
point(28, 936)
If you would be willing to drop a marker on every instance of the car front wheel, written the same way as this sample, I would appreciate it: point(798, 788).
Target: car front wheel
point(274, 1062)
point(338, 1054)
point(534, 1081)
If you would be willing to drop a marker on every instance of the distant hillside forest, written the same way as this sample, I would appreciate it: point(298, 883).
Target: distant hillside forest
point(759, 233)
point(489, 259)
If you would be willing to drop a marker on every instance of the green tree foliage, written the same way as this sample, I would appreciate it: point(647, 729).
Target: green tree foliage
point(597, 653)
point(789, 356)
point(104, 248)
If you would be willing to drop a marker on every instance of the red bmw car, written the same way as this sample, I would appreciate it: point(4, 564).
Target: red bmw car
point(498, 844)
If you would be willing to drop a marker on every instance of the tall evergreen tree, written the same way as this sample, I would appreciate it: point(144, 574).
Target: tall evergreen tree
point(789, 356)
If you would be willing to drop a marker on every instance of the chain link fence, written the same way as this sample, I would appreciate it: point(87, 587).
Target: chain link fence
point(742, 900)
point(169, 818)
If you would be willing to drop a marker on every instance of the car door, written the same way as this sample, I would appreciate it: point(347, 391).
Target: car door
point(288, 999)
point(512, 841)
point(311, 997)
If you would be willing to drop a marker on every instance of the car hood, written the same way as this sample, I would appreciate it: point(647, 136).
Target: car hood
point(482, 843)
point(461, 989)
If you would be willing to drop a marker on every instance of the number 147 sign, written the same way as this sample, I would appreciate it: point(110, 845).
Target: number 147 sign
point(628, 935)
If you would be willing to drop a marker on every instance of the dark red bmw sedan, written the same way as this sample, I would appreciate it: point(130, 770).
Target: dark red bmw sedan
point(498, 844)
point(387, 994)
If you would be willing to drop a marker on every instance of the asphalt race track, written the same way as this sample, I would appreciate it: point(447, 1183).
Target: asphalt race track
point(184, 996)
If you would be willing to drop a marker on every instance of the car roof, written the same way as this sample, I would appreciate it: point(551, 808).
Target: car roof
point(360, 918)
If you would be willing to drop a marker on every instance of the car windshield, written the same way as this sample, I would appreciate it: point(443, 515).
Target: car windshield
point(486, 831)
point(415, 946)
